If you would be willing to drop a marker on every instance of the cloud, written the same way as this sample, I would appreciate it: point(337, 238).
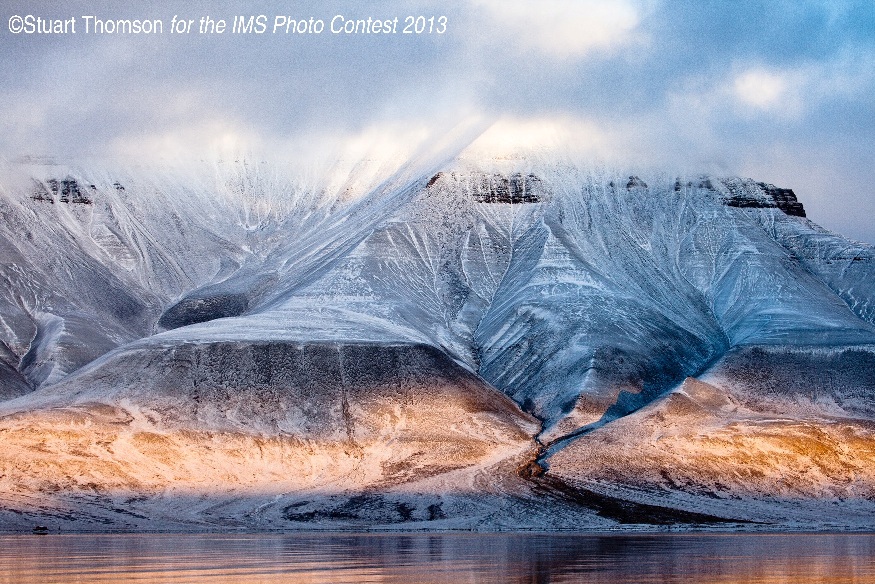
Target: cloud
point(761, 89)
point(565, 135)
point(563, 28)
point(679, 84)
point(740, 92)
point(792, 92)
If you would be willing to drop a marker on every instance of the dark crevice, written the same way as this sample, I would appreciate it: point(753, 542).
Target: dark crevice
point(622, 511)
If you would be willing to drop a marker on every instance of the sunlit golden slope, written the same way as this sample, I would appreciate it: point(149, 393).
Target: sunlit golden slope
point(379, 435)
point(714, 447)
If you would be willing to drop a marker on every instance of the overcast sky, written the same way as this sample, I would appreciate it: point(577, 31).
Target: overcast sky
point(782, 91)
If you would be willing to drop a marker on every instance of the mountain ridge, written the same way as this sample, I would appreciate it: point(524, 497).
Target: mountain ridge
point(588, 298)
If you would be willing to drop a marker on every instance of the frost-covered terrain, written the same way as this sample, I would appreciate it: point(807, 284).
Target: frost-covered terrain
point(488, 344)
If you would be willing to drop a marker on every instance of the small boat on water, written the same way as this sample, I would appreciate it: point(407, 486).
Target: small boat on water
point(40, 530)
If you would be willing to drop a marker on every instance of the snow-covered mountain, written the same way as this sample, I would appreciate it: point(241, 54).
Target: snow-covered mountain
point(478, 343)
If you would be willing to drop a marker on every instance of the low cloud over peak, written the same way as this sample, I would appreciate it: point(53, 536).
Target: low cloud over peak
point(735, 88)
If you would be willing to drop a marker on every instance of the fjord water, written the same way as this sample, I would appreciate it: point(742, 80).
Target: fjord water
point(441, 557)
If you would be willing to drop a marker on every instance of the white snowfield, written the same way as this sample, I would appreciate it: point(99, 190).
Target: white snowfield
point(475, 344)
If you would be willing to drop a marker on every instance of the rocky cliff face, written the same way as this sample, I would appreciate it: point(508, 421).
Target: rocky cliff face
point(491, 188)
point(497, 344)
point(746, 193)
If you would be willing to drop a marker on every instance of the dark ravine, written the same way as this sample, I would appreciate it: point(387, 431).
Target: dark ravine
point(620, 510)
point(202, 308)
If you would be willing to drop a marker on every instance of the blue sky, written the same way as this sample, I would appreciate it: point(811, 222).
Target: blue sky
point(776, 90)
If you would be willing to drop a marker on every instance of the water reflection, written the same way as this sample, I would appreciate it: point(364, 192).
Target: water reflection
point(427, 558)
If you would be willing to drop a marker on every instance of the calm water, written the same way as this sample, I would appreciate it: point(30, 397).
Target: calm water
point(428, 558)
